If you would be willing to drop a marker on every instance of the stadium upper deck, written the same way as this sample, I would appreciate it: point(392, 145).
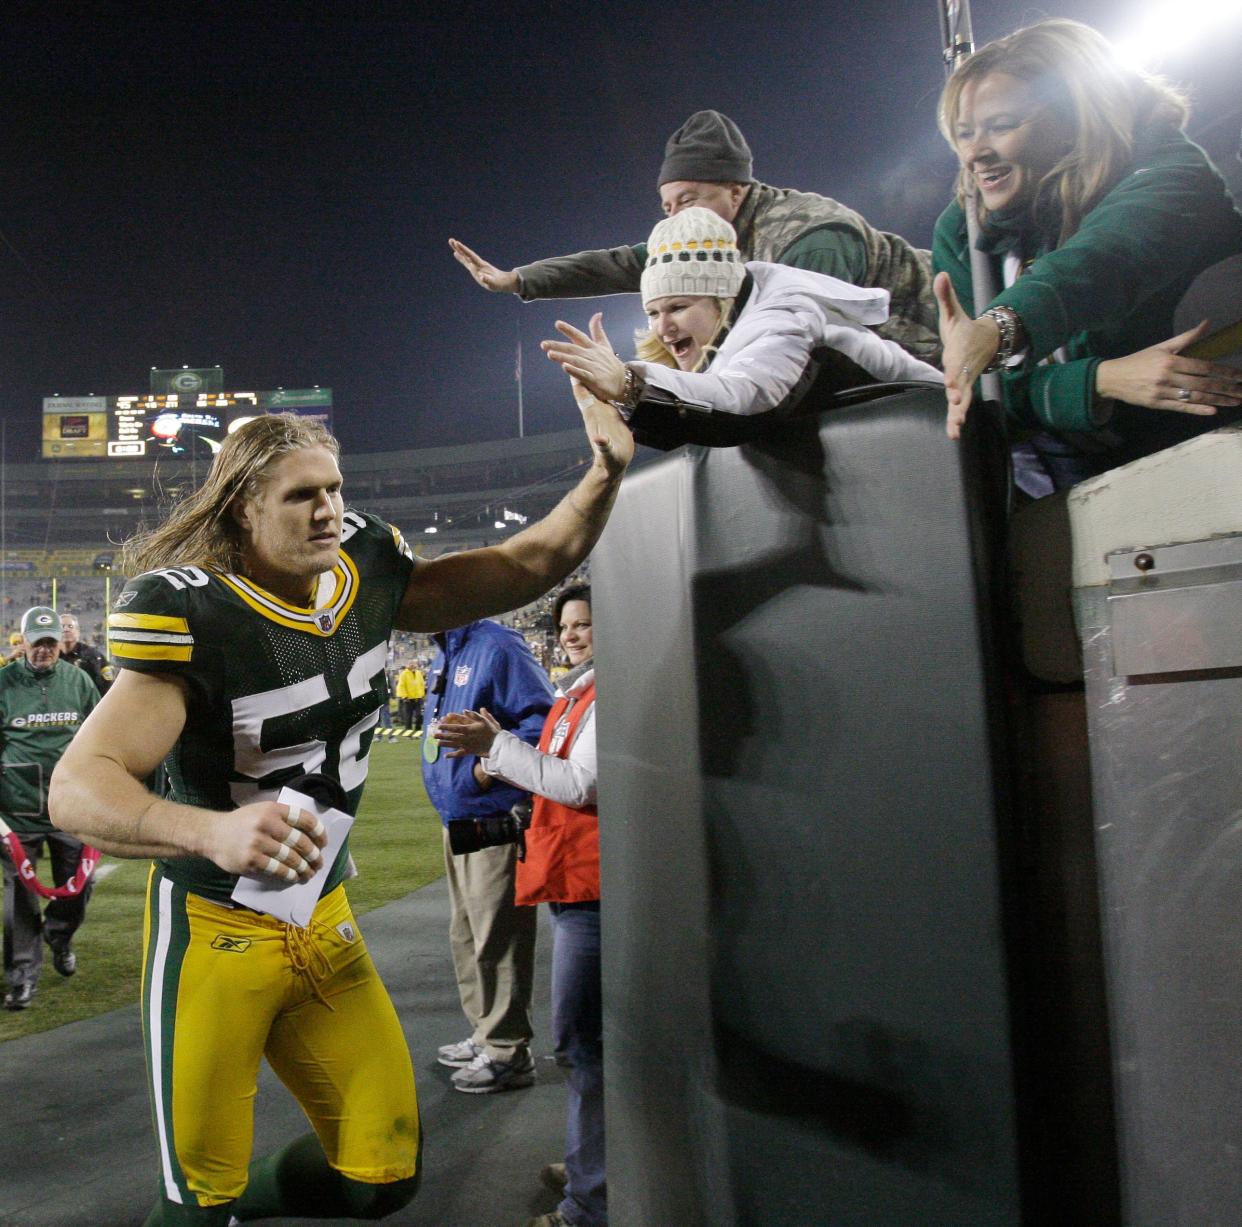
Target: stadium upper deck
point(461, 492)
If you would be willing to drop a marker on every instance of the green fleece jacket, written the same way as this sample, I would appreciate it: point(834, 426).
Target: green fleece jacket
point(1108, 290)
point(39, 714)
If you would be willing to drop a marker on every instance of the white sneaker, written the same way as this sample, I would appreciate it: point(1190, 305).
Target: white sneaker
point(484, 1075)
point(458, 1055)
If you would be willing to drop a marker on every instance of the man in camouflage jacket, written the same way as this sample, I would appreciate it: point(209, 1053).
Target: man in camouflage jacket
point(707, 162)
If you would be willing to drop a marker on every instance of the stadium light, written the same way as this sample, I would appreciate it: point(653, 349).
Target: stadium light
point(431, 528)
point(1163, 28)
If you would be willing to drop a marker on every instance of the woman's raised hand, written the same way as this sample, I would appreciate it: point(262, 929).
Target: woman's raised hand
point(589, 359)
point(969, 345)
point(1162, 377)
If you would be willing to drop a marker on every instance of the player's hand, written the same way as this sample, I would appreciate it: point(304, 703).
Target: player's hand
point(1159, 377)
point(589, 359)
point(969, 346)
point(268, 839)
point(611, 439)
point(487, 275)
point(468, 732)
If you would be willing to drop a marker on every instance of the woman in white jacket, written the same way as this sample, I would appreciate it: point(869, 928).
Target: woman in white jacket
point(561, 868)
point(733, 345)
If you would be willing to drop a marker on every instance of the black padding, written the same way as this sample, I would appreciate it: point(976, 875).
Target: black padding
point(807, 1005)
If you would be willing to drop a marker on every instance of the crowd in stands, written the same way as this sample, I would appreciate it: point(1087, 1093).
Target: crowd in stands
point(533, 622)
point(84, 597)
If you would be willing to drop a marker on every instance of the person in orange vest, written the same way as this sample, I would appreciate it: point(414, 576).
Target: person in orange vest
point(562, 869)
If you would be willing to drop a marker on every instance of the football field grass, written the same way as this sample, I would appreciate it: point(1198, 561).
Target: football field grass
point(396, 844)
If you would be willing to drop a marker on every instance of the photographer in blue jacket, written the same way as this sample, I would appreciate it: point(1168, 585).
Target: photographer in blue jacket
point(484, 664)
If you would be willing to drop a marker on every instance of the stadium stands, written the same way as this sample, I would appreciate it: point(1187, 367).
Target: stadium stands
point(65, 519)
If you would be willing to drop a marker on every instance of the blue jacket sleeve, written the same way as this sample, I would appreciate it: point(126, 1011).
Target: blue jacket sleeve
point(521, 693)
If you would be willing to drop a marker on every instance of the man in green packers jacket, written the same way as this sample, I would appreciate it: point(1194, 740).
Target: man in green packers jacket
point(43, 702)
point(707, 162)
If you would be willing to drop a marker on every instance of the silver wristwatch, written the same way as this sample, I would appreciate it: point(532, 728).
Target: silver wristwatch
point(1010, 324)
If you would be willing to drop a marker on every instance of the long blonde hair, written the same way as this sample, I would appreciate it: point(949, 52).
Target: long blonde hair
point(201, 531)
point(649, 348)
point(1099, 99)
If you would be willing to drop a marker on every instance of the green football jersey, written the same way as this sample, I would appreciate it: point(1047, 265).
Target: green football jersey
point(273, 690)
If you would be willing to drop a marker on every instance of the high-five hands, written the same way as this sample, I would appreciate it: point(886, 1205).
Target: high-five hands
point(589, 359)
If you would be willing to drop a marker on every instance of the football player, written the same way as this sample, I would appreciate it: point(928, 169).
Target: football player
point(253, 641)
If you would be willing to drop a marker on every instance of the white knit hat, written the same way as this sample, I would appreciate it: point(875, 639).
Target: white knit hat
point(692, 252)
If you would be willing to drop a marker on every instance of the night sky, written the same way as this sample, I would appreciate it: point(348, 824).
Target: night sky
point(274, 193)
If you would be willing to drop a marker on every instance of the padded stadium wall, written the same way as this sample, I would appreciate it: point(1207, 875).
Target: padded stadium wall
point(808, 990)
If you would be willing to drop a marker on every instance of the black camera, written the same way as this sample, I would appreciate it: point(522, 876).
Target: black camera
point(470, 834)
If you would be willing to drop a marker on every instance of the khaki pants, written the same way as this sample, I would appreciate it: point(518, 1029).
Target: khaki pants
point(493, 944)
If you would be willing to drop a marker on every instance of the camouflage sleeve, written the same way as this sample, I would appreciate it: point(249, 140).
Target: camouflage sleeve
point(837, 251)
point(586, 274)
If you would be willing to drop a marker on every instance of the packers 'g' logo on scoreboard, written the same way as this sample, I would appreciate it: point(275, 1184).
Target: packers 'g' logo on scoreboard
point(187, 381)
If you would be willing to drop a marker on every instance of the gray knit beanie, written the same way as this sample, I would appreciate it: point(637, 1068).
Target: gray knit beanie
point(707, 148)
point(693, 252)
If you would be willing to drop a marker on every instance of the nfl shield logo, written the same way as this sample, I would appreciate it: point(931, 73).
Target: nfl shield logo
point(324, 620)
point(462, 676)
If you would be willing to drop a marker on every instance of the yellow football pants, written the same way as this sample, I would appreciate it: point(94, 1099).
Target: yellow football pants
point(223, 987)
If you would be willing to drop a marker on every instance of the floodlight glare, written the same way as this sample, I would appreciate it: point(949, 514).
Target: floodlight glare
point(1163, 28)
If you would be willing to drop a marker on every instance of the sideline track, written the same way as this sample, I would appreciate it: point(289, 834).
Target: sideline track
point(77, 1131)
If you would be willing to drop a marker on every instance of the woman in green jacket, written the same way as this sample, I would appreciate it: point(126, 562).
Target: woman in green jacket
point(1097, 213)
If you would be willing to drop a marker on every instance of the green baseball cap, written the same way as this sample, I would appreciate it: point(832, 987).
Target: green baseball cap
point(40, 623)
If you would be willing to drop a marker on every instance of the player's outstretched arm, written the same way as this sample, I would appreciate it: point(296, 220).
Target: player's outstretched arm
point(96, 792)
point(474, 584)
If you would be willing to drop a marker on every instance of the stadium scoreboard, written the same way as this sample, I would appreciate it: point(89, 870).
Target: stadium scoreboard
point(187, 425)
